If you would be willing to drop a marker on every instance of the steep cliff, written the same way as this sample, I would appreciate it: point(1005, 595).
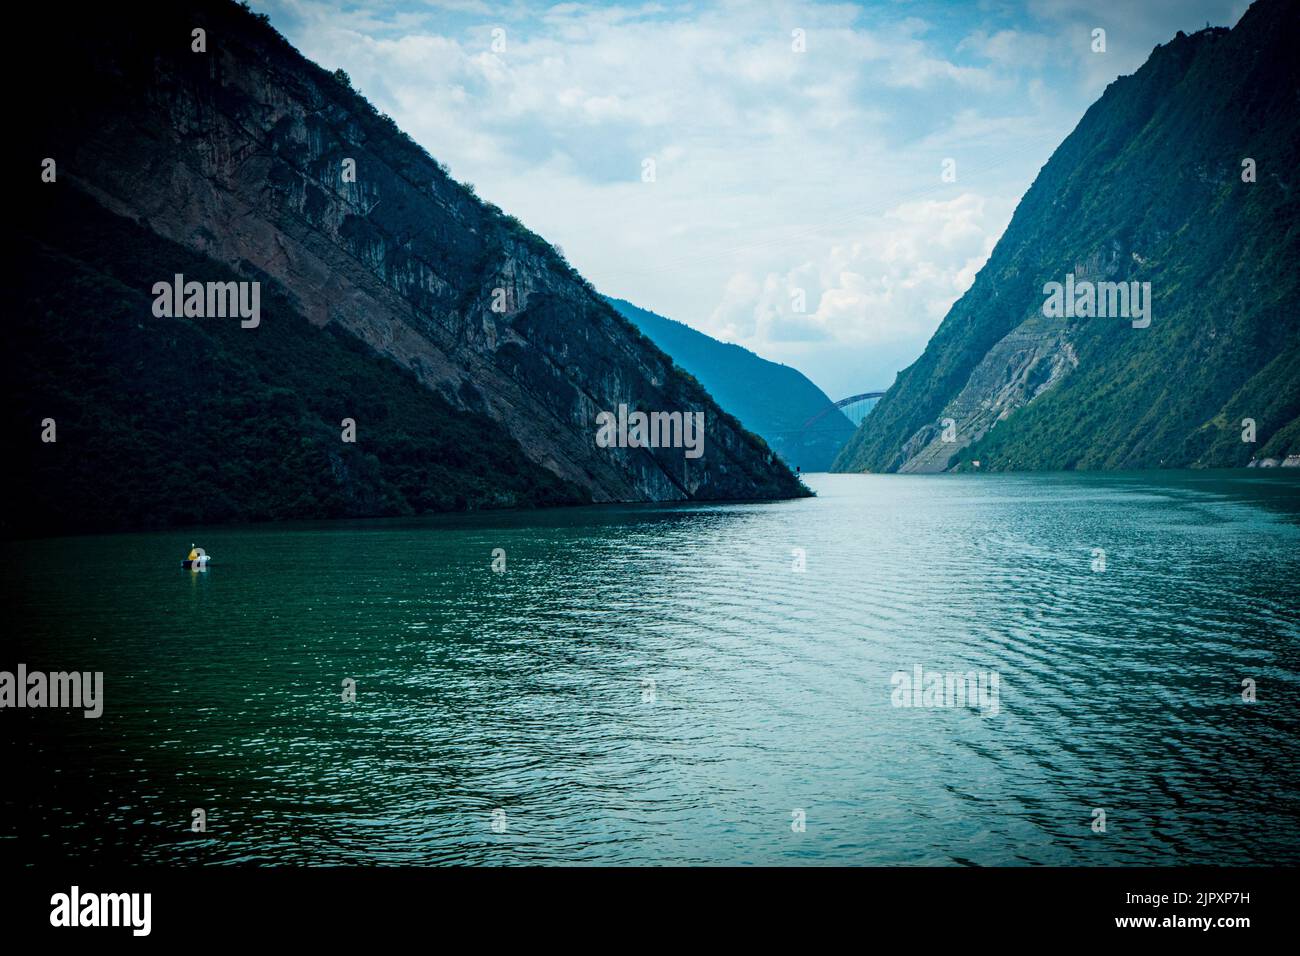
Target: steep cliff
point(1184, 176)
point(775, 401)
point(270, 169)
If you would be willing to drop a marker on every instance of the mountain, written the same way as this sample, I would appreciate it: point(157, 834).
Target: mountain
point(1147, 189)
point(190, 139)
point(773, 400)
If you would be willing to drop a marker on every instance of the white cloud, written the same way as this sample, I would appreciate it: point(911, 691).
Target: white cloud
point(775, 169)
point(890, 285)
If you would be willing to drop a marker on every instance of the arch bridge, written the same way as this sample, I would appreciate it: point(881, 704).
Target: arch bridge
point(854, 407)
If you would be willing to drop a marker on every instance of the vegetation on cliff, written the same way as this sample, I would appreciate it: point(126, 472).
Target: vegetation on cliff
point(176, 421)
point(1152, 186)
point(242, 161)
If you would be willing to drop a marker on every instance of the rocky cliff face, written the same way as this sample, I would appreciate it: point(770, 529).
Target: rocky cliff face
point(1182, 176)
point(243, 152)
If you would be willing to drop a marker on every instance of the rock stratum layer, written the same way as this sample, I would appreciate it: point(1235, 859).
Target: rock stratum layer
point(1148, 188)
point(231, 163)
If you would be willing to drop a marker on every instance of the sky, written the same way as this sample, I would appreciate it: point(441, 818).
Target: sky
point(772, 174)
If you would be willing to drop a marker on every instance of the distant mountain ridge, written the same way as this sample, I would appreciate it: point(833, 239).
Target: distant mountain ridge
point(775, 401)
point(1148, 188)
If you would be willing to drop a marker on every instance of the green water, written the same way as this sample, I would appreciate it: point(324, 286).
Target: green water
point(657, 684)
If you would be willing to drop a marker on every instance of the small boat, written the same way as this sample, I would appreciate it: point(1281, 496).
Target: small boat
point(197, 560)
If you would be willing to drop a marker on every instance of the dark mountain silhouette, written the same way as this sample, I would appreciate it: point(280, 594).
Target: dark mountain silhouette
point(472, 358)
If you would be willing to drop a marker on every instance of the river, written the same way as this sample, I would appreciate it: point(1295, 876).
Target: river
point(682, 684)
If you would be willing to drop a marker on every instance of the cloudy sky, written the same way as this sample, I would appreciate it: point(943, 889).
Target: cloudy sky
point(797, 149)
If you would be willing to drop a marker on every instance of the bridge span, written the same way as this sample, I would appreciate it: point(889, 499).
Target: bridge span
point(842, 403)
